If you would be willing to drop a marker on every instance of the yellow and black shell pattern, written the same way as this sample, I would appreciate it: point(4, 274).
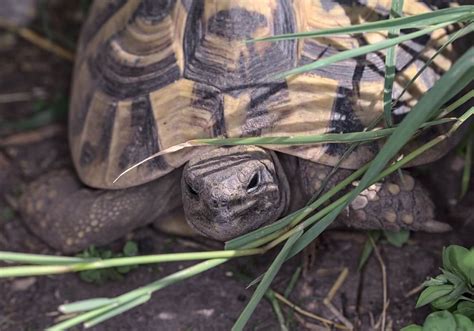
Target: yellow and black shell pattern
point(151, 74)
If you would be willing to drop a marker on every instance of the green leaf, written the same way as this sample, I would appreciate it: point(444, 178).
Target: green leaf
point(466, 308)
point(440, 321)
point(130, 248)
point(91, 276)
point(463, 323)
point(447, 301)
point(453, 278)
point(467, 266)
point(438, 280)
point(412, 327)
point(397, 239)
point(432, 293)
point(453, 256)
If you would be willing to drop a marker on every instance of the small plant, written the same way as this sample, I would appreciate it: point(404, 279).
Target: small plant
point(100, 276)
point(451, 292)
point(442, 321)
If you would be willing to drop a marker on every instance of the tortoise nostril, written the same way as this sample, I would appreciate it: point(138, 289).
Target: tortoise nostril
point(254, 182)
point(217, 203)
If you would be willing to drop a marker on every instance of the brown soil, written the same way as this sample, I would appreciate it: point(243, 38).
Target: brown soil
point(213, 300)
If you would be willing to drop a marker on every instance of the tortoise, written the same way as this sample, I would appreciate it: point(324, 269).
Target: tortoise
point(150, 74)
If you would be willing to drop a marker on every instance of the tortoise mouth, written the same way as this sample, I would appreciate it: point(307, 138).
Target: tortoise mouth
point(231, 191)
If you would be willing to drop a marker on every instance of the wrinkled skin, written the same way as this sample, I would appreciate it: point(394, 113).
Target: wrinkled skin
point(230, 191)
point(225, 193)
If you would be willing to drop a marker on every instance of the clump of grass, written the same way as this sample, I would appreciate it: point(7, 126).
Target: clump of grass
point(298, 229)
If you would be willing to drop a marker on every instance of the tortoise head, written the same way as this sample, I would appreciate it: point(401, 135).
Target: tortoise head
point(230, 191)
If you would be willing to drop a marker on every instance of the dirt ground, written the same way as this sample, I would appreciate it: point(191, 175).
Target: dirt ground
point(33, 140)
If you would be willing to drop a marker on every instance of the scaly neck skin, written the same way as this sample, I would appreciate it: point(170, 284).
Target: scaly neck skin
point(297, 197)
point(230, 191)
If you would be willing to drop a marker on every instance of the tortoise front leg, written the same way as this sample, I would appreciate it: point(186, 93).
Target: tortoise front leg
point(398, 202)
point(70, 216)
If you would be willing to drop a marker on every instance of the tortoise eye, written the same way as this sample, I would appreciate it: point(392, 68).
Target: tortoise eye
point(254, 182)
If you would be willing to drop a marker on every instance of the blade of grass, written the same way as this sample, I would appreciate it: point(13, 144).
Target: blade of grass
point(368, 248)
point(466, 174)
point(458, 103)
point(458, 34)
point(345, 55)
point(122, 261)
point(40, 258)
point(390, 60)
point(292, 283)
point(409, 22)
point(118, 310)
point(85, 305)
point(349, 137)
point(265, 283)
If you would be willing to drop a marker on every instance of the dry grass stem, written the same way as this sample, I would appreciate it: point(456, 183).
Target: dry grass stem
point(337, 284)
point(39, 41)
point(383, 316)
point(332, 292)
point(32, 136)
point(414, 291)
point(306, 313)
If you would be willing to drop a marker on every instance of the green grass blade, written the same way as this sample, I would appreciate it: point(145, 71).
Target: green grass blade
point(251, 237)
point(367, 249)
point(458, 103)
point(409, 22)
point(18, 271)
point(458, 34)
point(69, 323)
point(390, 60)
point(292, 283)
point(360, 51)
point(40, 258)
point(466, 174)
point(265, 283)
point(326, 138)
point(85, 305)
point(329, 138)
point(318, 228)
point(117, 310)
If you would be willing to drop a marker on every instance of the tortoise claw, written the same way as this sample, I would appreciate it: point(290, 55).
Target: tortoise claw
point(434, 226)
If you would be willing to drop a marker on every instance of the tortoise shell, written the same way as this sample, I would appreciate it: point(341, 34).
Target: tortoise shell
point(154, 73)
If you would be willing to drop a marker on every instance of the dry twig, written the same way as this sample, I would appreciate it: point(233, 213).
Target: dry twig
point(38, 40)
point(383, 316)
